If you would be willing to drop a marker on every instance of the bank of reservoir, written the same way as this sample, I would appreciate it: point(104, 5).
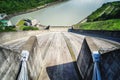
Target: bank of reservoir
point(63, 14)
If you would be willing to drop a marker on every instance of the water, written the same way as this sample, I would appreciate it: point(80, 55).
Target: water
point(63, 14)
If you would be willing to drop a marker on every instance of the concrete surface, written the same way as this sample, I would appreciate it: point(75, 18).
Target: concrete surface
point(57, 51)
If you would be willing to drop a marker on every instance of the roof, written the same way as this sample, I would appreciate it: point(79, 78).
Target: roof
point(4, 21)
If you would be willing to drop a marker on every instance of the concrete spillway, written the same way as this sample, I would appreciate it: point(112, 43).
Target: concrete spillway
point(53, 56)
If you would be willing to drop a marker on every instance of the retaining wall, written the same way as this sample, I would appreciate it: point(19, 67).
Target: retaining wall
point(115, 34)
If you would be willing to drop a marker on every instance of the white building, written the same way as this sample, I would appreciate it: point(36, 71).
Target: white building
point(9, 23)
point(2, 16)
point(4, 21)
point(34, 22)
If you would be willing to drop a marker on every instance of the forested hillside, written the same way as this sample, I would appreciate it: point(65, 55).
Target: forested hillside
point(106, 17)
point(109, 10)
point(12, 6)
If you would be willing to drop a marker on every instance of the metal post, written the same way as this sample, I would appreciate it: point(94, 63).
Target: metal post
point(96, 59)
point(23, 75)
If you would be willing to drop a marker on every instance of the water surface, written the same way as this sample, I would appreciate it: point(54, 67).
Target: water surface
point(63, 14)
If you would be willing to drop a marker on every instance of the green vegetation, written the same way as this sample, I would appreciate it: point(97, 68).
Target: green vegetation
point(110, 10)
point(21, 26)
point(106, 17)
point(20, 23)
point(15, 6)
point(4, 26)
point(26, 28)
point(7, 28)
point(100, 25)
point(12, 6)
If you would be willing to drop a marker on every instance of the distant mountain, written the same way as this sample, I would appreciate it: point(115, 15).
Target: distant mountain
point(110, 10)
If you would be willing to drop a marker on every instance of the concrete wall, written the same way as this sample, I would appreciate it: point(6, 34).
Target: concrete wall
point(9, 36)
point(114, 34)
point(84, 62)
point(34, 62)
point(9, 64)
point(109, 65)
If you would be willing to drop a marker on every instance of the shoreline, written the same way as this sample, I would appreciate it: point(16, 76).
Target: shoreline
point(33, 9)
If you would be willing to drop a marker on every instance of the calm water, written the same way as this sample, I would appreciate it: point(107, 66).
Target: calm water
point(63, 14)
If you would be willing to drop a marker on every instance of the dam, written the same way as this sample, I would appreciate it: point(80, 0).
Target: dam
point(56, 54)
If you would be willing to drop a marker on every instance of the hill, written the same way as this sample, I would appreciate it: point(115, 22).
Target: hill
point(113, 24)
point(110, 10)
point(106, 17)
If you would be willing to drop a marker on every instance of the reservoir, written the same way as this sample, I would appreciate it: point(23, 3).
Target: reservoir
point(65, 13)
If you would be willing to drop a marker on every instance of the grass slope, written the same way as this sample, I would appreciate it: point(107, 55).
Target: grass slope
point(113, 24)
point(110, 10)
point(106, 17)
point(21, 26)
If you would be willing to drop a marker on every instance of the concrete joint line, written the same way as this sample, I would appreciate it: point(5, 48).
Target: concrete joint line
point(68, 43)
